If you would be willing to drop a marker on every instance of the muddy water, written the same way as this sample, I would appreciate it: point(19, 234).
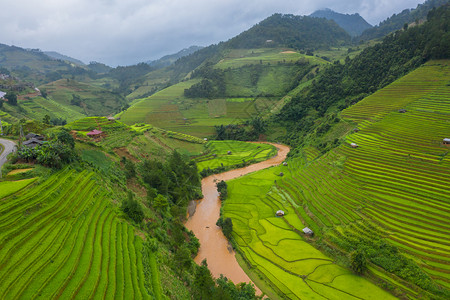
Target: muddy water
point(214, 246)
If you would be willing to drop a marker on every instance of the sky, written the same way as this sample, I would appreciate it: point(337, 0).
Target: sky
point(125, 32)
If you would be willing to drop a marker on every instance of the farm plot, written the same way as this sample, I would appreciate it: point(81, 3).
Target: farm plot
point(63, 239)
point(231, 153)
point(276, 249)
point(390, 192)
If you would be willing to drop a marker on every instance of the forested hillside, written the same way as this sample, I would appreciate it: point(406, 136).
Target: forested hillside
point(342, 85)
point(398, 21)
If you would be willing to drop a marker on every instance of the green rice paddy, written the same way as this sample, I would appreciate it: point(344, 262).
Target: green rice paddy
point(394, 186)
point(240, 152)
point(64, 239)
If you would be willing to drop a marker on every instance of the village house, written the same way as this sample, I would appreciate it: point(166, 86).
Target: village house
point(34, 136)
point(94, 133)
point(280, 213)
point(354, 145)
point(446, 141)
point(32, 143)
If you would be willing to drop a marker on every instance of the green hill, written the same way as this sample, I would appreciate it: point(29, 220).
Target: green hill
point(299, 32)
point(253, 81)
point(386, 198)
point(354, 24)
point(397, 21)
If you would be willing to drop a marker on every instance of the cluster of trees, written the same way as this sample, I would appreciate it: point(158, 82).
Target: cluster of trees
point(171, 185)
point(247, 131)
point(341, 85)
point(205, 287)
point(222, 188)
point(211, 86)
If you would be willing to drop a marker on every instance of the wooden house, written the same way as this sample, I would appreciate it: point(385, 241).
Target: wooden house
point(446, 141)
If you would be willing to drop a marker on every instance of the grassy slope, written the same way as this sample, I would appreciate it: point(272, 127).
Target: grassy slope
point(56, 242)
point(395, 185)
point(140, 141)
point(95, 100)
point(169, 109)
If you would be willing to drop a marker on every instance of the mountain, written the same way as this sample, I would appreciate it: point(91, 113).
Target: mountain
point(171, 58)
point(397, 21)
point(354, 24)
point(60, 56)
point(299, 32)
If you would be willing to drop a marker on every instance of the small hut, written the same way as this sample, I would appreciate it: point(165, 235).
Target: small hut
point(446, 141)
point(284, 163)
point(280, 213)
point(229, 152)
point(281, 174)
point(34, 136)
point(33, 142)
point(308, 231)
point(111, 119)
point(356, 129)
point(94, 133)
point(354, 145)
point(402, 110)
point(205, 139)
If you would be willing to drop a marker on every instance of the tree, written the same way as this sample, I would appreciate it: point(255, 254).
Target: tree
point(12, 98)
point(160, 202)
point(203, 286)
point(222, 189)
point(227, 228)
point(358, 261)
point(65, 138)
point(133, 209)
point(46, 119)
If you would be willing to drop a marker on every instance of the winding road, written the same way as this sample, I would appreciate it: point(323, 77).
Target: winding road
point(213, 244)
point(9, 147)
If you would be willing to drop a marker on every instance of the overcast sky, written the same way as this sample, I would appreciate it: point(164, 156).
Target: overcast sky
point(124, 32)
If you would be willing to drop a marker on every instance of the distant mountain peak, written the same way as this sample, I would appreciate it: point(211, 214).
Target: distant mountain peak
point(354, 24)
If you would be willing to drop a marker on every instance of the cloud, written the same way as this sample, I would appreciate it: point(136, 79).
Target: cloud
point(121, 32)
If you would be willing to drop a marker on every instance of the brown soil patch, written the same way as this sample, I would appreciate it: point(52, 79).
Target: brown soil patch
point(288, 52)
point(19, 171)
point(124, 152)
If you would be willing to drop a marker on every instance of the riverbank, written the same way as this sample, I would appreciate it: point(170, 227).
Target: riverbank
point(214, 247)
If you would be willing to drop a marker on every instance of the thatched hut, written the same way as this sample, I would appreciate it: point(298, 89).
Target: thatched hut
point(229, 152)
point(281, 174)
point(402, 110)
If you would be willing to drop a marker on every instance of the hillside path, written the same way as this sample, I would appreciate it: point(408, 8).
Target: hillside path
point(213, 244)
point(9, 147)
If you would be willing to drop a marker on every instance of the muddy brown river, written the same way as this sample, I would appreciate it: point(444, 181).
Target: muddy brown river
point(213, 244)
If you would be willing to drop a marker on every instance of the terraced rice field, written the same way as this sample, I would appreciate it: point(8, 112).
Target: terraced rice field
point(63, 239)
point(394, 186)
point(218, 156)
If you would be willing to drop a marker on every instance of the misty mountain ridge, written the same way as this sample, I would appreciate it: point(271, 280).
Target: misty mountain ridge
point(56, 55)
point(353, 24)
point(169, 59)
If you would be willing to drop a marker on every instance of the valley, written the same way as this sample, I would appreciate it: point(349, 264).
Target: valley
point(305, 158)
